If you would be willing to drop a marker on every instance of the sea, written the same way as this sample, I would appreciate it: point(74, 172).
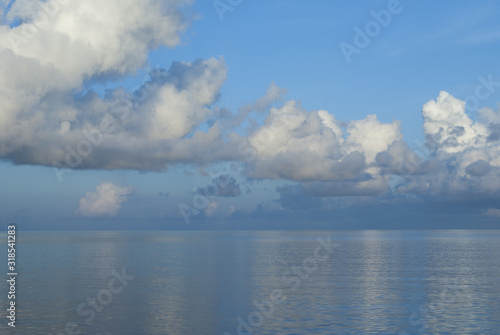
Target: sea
point(254, 282)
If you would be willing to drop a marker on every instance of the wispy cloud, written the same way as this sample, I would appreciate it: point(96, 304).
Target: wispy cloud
point(495, 212)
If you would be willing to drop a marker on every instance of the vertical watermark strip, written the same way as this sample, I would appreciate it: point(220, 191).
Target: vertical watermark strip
point(11, 274)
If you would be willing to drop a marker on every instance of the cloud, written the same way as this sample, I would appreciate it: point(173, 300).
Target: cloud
point(448, 128)
point(495, 212)
point(399, 159)
point(212, 208)
point(300, 145)
point(273, 95)
point(371, 137)
point(120, 131)
point(292, 197)
point(47, 117)
point(460, 159)
point(363, 185)
point(106, 201)
point(478, 168)
point(312, 146)
point(221, 186)
point(465, 154)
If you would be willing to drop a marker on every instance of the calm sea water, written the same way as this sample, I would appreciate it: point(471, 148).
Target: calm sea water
point(256, 282)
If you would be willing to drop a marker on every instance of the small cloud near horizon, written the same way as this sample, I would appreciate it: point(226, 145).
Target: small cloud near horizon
point(106, 201)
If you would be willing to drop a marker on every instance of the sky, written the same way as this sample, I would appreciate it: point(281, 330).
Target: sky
point(235, 114)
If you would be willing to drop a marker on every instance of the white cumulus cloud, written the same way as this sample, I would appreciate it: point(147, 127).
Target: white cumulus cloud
point(106, 201)
point(49, 117)
point(309, 146)
point(466, 153)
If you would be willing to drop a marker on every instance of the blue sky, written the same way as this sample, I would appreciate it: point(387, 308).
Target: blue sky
point(140, 174)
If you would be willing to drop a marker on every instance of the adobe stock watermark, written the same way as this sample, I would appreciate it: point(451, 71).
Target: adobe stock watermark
point(364, 36)
point(119, 111)
point(292, 278)
point(223, 6)
point(27, 31)
point(428, 314)
point(483, 90)
point(96, 304)
point(411, 161)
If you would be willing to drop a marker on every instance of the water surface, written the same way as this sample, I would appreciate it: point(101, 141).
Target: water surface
point(257, 282)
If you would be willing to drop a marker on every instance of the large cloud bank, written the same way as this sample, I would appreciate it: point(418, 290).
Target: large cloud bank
point(52, 51)
point(312, 147)
point(47, 118)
